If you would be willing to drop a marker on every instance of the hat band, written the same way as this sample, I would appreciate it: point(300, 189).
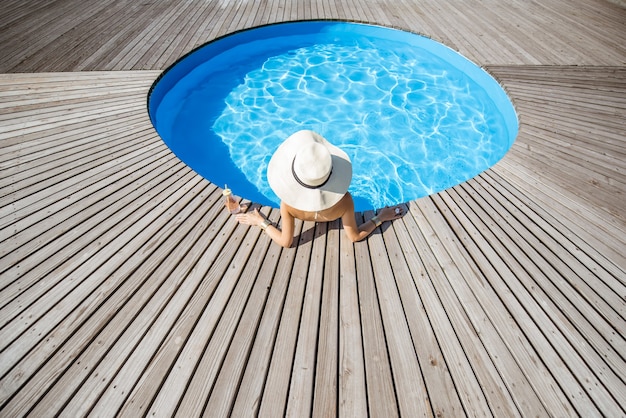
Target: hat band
point(303, 184)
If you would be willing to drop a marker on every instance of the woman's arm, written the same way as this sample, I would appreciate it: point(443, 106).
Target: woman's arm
point(362, 231)
point(283, 237)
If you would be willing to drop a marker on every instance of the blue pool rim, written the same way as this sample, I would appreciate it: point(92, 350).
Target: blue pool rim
point(188, 62)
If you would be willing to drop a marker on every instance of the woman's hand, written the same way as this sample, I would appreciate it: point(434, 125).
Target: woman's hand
point(253, 218)
point(283, 237)
point(389, 214)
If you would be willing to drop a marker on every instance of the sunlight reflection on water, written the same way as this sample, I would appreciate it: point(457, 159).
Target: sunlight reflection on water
point(410, 125)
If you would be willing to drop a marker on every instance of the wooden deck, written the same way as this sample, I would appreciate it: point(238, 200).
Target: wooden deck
point(126, 290)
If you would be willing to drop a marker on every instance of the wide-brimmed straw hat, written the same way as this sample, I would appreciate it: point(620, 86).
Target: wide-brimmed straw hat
point(309, 173)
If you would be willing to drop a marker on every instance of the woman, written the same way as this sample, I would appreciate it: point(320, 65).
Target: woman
point(311, 177)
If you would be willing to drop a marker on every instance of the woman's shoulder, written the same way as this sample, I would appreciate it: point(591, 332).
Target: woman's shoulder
point(290, 210)
point(344, 205)
point(346, 202)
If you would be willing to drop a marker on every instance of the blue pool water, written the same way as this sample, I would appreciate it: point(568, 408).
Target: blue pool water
point(414, 116)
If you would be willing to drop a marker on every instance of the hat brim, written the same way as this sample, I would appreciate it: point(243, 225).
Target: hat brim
point(287, 188)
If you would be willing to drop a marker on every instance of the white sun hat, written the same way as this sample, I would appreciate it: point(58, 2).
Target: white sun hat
point(309, 173)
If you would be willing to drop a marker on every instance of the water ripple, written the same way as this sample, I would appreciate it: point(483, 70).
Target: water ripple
point(411, 125)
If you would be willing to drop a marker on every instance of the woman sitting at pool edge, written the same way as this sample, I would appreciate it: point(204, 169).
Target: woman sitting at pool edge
point(311, 177)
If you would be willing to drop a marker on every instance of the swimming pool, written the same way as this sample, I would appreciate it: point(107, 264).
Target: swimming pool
point(414, 116)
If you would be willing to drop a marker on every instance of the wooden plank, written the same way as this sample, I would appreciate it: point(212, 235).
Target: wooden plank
point(583, 250)
point(255, 375)
point(223, 24)
point(276, 390)
point(604, 168)
point(83, 36)
point(578, 184)
point(131, 30)
point(43, 28)
point(263, 16)
point(29, 158)
point(81, 157)
point(120, 33)
point(547, 198)
point(352, 396)
point(245, 13)
point(15, 11)
point(182, 42)
point(302, 382)
point(593, 285)
point(219, 320)
point(147, 31)
point(381, 398)
point(326, 390)
point(169, 32)
point(597, 317)
point(203, 34)
point(595, 301)
point(26, 267)
point(560, 344)
point(408, 381)
point(408, 270)
point(59, 302)
point(464, 353)
point(64, 192)
point(78, 367)
point(37, 123)
point(230, 377)
point(520, 340)
point(488, 322)
point(25, 175)
point(146, 371)
point(12, 104)
point(33, 142)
